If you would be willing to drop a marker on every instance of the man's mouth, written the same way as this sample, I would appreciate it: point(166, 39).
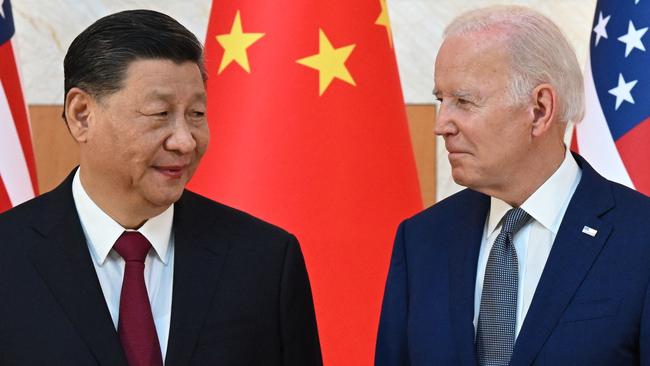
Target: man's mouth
point(171, 171)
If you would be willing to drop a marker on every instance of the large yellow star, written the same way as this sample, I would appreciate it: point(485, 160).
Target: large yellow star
point(383, 20)
point(235, 44)
point(330, 62)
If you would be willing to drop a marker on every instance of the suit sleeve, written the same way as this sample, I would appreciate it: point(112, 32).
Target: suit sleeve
point(300, 342)
point(644, 337)
point(392, 343)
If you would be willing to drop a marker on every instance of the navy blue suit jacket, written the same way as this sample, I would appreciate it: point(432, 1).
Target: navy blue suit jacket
point(591, 306)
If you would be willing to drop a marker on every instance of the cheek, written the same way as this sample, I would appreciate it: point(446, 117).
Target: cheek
point(142, 150)
point(105, 146)
point(202, 138)
point(487, 148)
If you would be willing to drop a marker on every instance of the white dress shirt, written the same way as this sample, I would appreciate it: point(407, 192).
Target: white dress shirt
point(102, 231)
point(534, 241)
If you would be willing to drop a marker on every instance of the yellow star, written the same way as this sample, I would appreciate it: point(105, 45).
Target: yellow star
point(330, 62)
point(235, 44)
point(383, 20)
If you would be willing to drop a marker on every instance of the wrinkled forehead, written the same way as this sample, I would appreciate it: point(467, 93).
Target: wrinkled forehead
point(475, 63)
point(475, 45)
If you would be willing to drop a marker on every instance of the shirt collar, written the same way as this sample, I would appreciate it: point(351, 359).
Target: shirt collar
point(102, 231)
point(498, 209)
point(547, 204)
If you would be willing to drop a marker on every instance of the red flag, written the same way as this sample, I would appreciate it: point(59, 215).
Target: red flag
point(309, 132)
point(17, 168)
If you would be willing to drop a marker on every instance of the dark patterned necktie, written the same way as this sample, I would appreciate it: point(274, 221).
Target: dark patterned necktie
point(136, 327)
point(495, 334)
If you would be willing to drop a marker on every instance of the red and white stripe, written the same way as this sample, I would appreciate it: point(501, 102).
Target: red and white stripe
point(594, 140)
point(13, 166)
point(17, 171)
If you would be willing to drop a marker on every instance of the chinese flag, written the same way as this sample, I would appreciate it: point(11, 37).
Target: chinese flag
point(309, 132)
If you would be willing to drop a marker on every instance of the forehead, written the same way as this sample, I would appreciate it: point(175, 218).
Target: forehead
point(161, 77)
point(472, 59)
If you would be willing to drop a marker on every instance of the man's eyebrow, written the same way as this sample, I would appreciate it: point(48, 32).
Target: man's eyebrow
point(456, 93)
point(163, 95)
point(462, 94)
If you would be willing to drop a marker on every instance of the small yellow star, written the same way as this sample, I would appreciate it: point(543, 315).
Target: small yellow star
point(330, 62)
point(384, 21)
point(235, 44)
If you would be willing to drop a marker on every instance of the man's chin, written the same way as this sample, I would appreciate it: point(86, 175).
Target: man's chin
point(166, 198)
point(459, 177)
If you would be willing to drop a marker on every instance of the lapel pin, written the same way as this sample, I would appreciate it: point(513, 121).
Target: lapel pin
point(589, 231)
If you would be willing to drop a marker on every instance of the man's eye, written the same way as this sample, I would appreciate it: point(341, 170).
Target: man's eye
point(198, 114)
point(463, 101)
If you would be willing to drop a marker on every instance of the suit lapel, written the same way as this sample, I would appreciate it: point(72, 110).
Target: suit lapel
point(465, 242)
point(60, 254)
point(571, 257)
point(200, 250)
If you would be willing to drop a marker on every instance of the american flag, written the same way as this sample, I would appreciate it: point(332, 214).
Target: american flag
point(17, 173)
point(615, 134)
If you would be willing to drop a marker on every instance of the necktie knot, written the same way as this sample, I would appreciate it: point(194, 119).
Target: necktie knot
point(132, 246)
point(514, 220)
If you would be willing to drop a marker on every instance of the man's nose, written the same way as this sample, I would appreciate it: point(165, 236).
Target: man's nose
point(181, 138)
point(444, 124)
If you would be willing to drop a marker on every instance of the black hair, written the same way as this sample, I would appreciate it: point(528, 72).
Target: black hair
point(98, 58)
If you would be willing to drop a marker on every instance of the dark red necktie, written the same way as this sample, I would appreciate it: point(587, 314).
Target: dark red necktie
point(136, 327)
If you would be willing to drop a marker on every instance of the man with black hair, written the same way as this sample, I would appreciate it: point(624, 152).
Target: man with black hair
point(120, 265)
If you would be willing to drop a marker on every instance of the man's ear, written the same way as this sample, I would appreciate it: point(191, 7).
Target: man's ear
point(78, 112)
point(544, 109)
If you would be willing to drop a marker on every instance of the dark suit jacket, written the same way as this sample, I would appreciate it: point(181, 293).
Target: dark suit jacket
point(591, 306)
point(241, 295)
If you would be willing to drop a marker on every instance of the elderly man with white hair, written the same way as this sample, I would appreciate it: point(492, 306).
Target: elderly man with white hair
point(540, 261)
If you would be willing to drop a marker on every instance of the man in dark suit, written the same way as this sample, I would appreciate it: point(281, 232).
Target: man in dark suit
point(541, 261)
point(119, 264)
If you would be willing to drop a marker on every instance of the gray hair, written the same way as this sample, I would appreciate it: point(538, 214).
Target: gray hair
point(539, 53)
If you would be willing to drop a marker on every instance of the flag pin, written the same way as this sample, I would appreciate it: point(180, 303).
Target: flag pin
point(589, 231)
